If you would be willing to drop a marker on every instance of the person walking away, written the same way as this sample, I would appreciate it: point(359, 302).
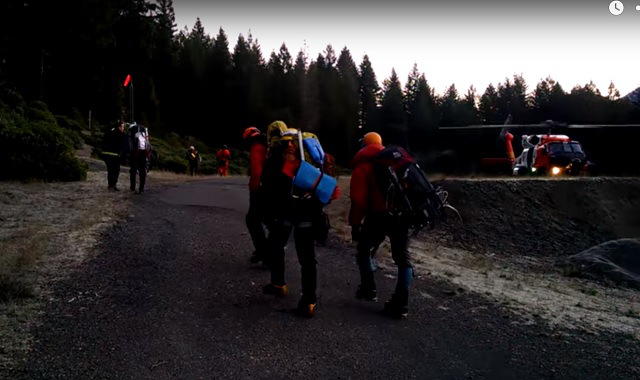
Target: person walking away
point(371, 223)
point(223, 155)
point(193, 157)
point(113, 146)
point(139, 157)
point(256, 142)
point(291, 209)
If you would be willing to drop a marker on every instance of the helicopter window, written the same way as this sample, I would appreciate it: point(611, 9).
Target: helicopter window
point(555, 148)
point(566, 147)
point(575, 146)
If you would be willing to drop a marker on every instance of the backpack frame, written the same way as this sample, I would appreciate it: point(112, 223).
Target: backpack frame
point(409, 195)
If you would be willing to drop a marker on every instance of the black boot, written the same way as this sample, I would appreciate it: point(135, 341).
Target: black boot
point(396, 308)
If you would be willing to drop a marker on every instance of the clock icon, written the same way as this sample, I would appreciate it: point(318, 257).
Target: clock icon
point(616, 7)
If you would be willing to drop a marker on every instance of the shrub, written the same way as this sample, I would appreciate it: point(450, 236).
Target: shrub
point(34, 146)
point(165, 157)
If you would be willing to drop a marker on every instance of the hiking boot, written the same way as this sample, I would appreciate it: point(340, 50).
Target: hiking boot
point(394, 310)
point(306, 309)
point(279, 291)
point(367, 294)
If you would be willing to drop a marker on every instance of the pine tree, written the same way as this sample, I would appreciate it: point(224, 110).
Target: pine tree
point(301, 90)
point(394, 128)
point(369, 97)
point(612, 92)
point(488, 107)
point(348, 101)
point(449, 108)
point(421, 121)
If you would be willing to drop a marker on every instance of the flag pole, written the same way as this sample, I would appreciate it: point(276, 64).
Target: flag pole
point(131, 96)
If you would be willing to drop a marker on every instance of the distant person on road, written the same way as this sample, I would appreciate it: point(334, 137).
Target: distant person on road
point(140, 153)
point(256, 143)
point(290, 209)
point(193, 157)
point(113, 146)
point(371, 223)
point(223, 156)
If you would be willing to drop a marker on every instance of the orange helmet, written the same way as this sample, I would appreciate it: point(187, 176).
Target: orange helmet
point(371, 138)
point(250, 132)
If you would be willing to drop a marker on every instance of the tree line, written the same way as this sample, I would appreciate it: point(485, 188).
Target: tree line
point(74, 56)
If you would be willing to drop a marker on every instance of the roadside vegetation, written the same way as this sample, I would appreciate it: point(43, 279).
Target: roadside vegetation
point(34, 146)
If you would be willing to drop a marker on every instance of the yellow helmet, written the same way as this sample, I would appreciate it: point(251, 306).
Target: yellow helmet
point(274, 132)
point(290, 134)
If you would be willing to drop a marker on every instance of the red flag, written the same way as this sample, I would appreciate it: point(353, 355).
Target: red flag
point(126, 81)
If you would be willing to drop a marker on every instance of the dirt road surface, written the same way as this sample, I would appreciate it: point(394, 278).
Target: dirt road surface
point(170, 294)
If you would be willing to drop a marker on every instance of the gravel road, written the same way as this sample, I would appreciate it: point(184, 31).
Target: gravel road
point(171, 295)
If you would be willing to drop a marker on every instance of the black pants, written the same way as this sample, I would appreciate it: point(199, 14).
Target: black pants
point(193, 167)
point(374, 230)
point(138, 165)
point(279, 234)
point(255, 226)
point(113, 169)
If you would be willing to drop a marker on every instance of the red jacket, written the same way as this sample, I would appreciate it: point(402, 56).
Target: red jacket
point(223, 155)
point(366, 195)
point(257, 157)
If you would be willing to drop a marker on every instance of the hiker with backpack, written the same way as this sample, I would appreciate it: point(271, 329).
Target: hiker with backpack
point(381, 206)
point(292, 206)
point(139, 155)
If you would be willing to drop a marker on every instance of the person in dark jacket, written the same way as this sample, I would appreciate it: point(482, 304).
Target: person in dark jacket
point(290, 209)
point(256, 142)
point(193, 157)
point(113, 146)
point(371, 223)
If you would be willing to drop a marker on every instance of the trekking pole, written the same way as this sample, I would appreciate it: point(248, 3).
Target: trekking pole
point(301, 147)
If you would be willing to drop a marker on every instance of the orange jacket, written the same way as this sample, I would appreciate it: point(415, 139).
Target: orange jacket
point(257, 157)
point(365, 192)
point(223, 155)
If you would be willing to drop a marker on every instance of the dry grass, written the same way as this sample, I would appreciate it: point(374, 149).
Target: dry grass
point(45, 230)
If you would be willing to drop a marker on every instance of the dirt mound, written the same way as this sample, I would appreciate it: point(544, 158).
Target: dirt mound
point(541, 217)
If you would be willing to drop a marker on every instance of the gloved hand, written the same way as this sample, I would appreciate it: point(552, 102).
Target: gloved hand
point(356, 233)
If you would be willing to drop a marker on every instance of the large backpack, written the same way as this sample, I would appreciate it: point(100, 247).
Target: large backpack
point(139, 140)
point(409, 194)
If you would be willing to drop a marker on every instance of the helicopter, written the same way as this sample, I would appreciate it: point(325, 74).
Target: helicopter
point(547, 153)
point(552, 152)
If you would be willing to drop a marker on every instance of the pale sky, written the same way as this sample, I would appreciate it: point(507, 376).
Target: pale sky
point(463, 42)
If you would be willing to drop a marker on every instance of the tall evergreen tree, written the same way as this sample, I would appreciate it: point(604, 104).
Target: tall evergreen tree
point(468, 114)
point(348, 100)
point(328, 84)
point(369, 97)
point(488, 107)
point(421, 110)
point(449, 107)
point(301, 90)
point(393, 117)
